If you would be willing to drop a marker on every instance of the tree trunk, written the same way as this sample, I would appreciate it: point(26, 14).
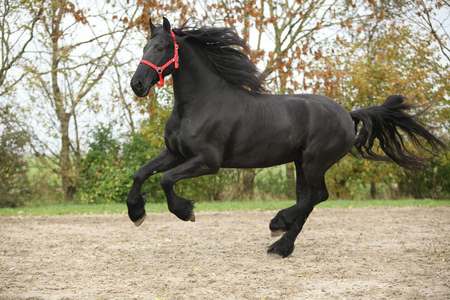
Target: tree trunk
point(60, 109)
point(373, 190)
point(290, 178)
point(248, 183)
point(65, 162)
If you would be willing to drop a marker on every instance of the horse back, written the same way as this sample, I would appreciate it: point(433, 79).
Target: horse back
point(256, 131)
point(276, 129)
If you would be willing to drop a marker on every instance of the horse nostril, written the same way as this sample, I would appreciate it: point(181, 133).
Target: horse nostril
point(137, 84)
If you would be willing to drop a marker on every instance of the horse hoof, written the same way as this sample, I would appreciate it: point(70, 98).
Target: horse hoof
point(140, 221)
point(274, 255)
point(281, 248)
point(278, 225)
point(192, 217)
point(276, 233)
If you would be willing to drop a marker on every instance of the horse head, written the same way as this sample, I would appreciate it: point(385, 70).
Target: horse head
point(159, 60)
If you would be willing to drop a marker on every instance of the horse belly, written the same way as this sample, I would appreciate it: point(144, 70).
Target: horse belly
point(289, 128)
point(262, 149)
point(258, 159)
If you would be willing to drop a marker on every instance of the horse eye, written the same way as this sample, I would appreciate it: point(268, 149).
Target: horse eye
point(159, 49)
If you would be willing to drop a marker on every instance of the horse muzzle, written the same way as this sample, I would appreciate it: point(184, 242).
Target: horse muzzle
point(139, 88)
point(143, 80)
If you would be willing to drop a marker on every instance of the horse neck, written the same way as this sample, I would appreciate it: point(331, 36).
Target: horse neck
point(196, 77)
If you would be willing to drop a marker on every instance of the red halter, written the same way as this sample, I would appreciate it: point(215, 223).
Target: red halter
point(161, 69)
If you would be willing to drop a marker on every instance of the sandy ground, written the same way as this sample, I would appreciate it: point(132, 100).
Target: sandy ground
point(395, 253)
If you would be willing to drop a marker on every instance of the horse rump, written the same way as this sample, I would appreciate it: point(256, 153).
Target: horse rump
point(383, 123)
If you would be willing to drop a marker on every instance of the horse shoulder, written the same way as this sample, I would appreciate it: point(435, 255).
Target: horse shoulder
point(172, 133)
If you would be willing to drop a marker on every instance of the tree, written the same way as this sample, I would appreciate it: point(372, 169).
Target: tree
point(17, 26)
point(380, 61)
point(72, 48)
point(390, 60)
point(287, 39)
point(431, 183)
point(14, 185)
point(76, 47)
point(125, 66)
point(104, 177)
point(431, 16)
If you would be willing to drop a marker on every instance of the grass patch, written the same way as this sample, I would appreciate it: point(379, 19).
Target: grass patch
point(121, 208)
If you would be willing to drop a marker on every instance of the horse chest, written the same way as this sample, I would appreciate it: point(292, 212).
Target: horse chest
point(180, 136)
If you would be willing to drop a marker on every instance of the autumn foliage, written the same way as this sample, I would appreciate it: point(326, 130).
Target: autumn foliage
point(73, 65)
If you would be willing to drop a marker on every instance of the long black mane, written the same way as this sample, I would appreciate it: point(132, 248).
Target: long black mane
point(229, 53)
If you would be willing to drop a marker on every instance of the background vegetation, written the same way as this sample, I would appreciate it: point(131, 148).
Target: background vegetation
point(72, 131)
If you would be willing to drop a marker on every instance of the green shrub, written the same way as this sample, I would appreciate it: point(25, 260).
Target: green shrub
point(433, 182)
point(137, 152)
point(272, 183)
point(108, 168)
point(14, 184)
point(103, 178)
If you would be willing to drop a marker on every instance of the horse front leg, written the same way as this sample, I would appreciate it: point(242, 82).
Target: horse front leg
point(194, 167)
point(135, 202)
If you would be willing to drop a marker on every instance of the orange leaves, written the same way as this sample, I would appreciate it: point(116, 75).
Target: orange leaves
point(77, 14)
point(294, 56)
point(253, 11)
point(372, 3)
point(258, 55)
point(394, 61)
point(157, 9)
point(318, 55)
point(346, 24)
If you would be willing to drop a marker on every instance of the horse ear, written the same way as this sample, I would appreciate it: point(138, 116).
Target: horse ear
point(166, 24)
point(152, 26)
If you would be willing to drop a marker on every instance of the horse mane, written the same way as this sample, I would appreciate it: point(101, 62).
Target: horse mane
point(222, 46)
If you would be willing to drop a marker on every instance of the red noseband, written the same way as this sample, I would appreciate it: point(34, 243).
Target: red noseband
point(161, 69)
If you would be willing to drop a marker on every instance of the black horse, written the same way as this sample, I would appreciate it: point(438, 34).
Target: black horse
point(223, 117)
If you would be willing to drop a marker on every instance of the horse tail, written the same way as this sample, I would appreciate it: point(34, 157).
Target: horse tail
point(382, 122)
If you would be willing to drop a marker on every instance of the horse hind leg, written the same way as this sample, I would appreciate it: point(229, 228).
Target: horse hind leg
point(325, 149)
point(285, 245)
point(313, 168)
